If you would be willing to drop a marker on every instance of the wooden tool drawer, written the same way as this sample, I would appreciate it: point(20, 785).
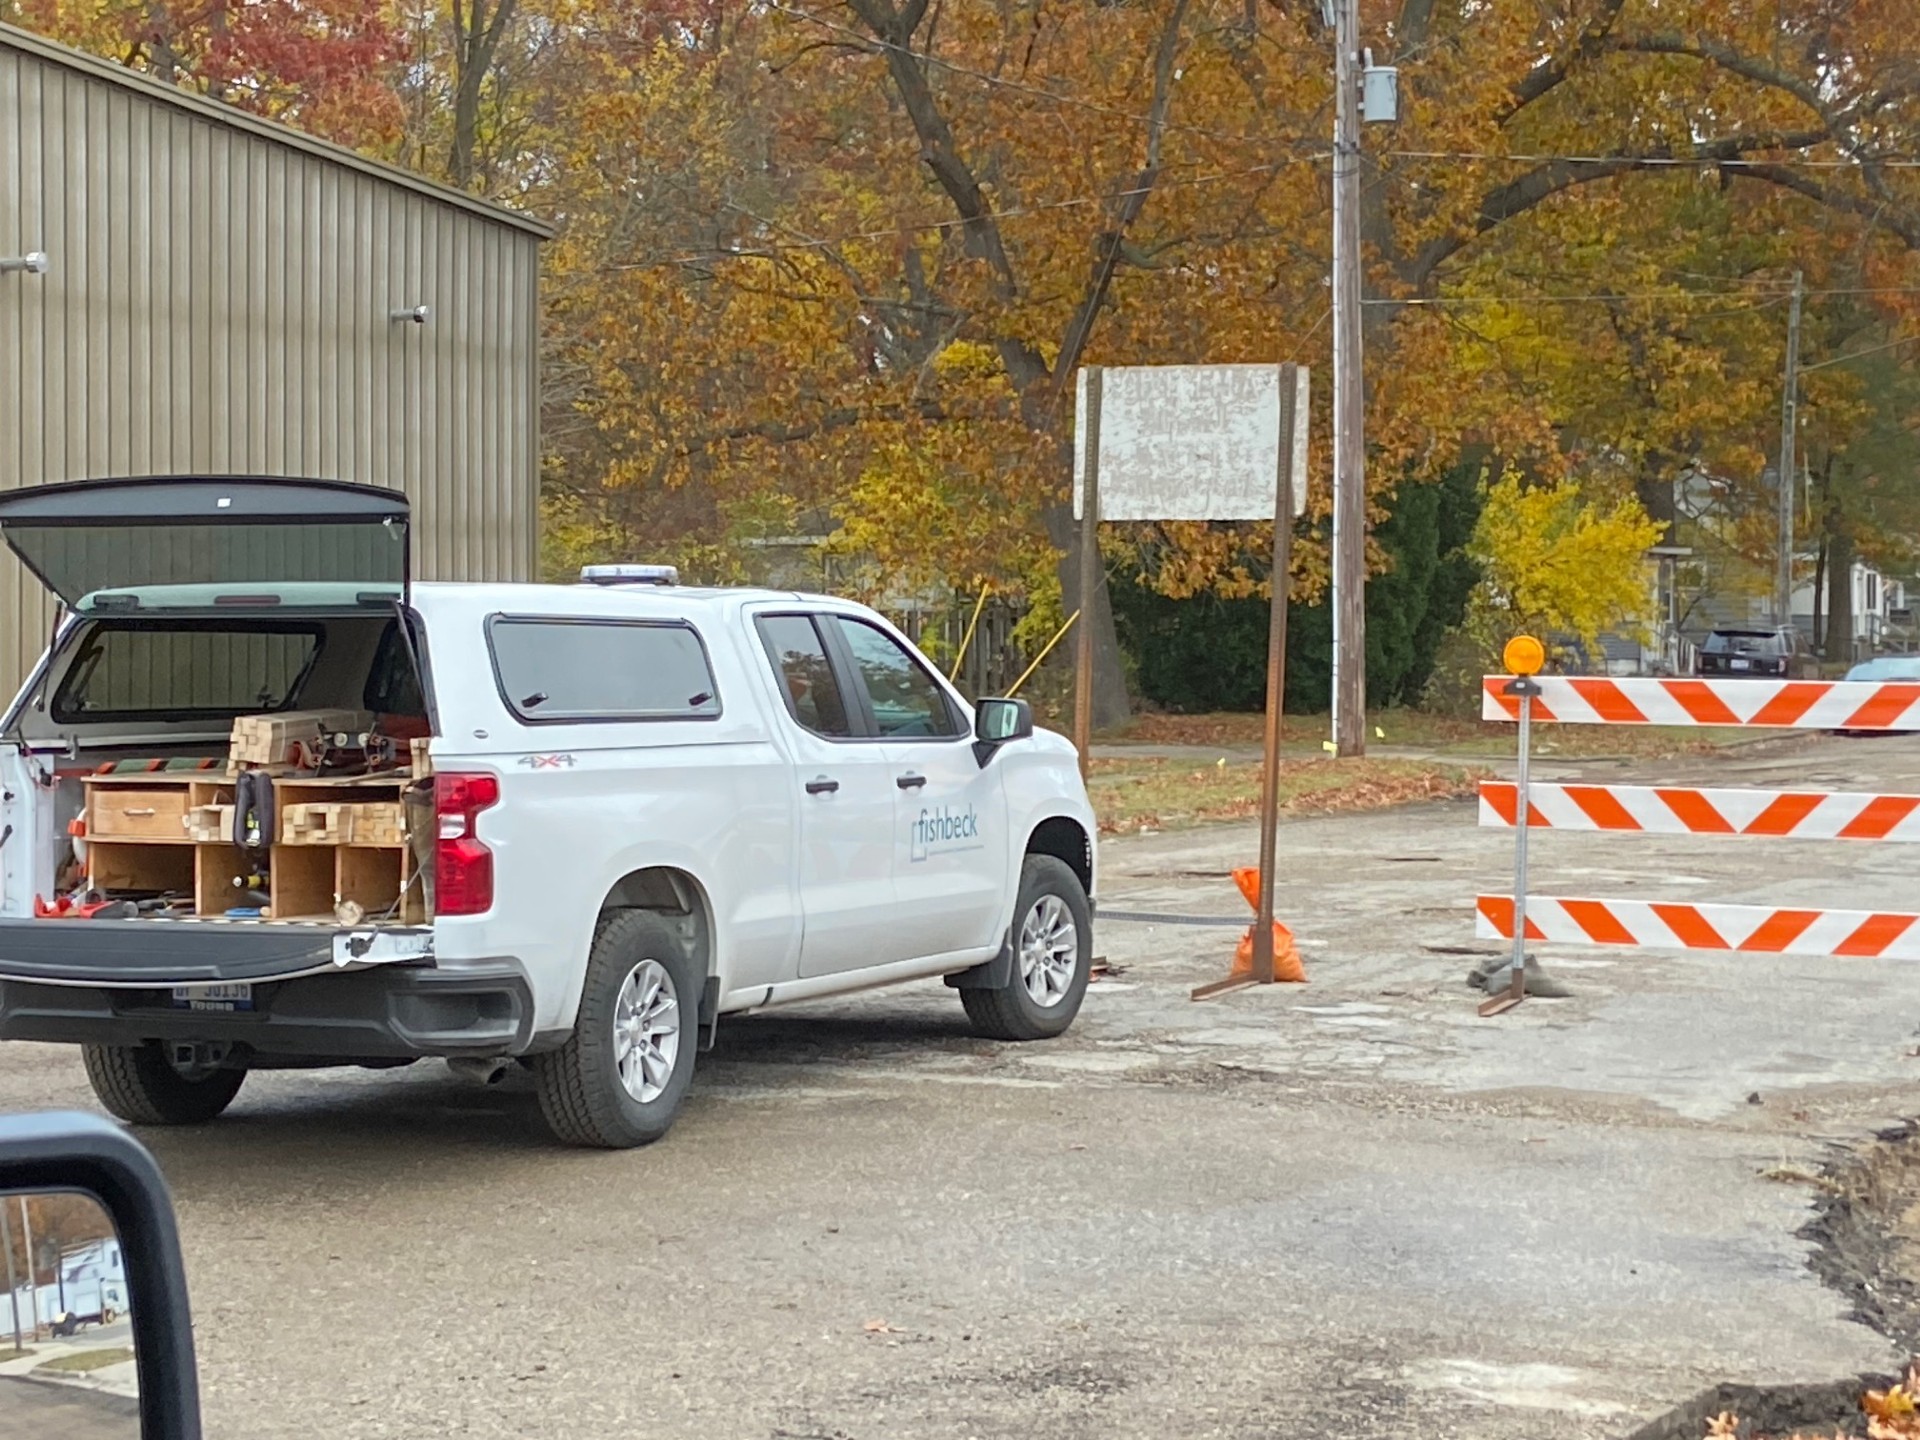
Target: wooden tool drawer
point(137, 812)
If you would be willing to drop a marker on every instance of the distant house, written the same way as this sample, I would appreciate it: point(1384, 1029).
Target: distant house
point(1881, 619)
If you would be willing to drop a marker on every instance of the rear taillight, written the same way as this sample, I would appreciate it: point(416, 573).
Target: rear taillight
point(463, 865)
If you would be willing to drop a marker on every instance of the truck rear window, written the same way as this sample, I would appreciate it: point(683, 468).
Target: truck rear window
point(185, 670)
point(557, 670)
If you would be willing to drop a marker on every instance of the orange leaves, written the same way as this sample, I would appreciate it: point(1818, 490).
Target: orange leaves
point(1891, 1413)
point(323, 65)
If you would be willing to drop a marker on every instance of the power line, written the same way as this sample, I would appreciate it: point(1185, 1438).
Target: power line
point(1596, 298)
point(1656, 161)
point(1770, 297)
point(1857, 354)
point(1312, 330)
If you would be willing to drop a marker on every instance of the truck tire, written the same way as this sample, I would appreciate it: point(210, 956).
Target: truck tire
point(1052, 958)
point(139, 1084)
point(619, 1080)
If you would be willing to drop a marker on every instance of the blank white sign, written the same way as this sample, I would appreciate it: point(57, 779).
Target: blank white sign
point(1190, 442)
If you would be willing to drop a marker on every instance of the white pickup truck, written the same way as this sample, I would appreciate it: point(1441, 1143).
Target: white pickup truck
point(649, 806)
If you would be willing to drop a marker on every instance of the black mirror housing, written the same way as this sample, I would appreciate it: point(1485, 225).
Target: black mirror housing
point(86, 1155)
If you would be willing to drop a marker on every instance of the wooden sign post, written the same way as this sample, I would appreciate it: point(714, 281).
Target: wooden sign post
point(1196, 442)
point(1090, 570)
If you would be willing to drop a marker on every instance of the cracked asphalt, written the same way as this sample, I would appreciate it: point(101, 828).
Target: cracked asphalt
point(1352, 1207)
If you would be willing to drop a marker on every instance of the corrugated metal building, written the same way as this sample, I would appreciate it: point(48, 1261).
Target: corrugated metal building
point(219, 297)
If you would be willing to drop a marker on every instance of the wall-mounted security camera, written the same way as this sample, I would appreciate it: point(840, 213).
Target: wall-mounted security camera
point(417, 314)
point(34, 262)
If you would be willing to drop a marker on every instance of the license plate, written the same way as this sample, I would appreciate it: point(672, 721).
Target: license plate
point(213, 997)
point(1740, 664)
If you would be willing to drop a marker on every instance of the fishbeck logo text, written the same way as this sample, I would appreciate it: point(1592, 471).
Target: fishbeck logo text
point(943, 829)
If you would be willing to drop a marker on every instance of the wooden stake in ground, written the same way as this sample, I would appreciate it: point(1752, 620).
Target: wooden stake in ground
point(1276, 677)
point(1089, 577)
point(1292, 414)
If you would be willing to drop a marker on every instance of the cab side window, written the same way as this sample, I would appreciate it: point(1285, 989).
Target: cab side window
point(799, 658)
point(908, 703)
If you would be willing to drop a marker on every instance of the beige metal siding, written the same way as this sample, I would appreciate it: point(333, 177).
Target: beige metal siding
point(219, 302)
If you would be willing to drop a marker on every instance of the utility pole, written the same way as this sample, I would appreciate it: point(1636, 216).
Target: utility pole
point(1349, 439)
point(33, 1286)
point(13, 1283)
point(1789, 425)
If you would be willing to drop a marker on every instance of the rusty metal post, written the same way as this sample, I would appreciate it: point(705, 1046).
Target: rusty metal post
point(1525, 687)
point(1089, 578)
point(1261, 970)
point(1276, 680)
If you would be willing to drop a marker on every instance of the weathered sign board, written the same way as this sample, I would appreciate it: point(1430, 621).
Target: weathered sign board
point(1196, 442)
point(1190, 442)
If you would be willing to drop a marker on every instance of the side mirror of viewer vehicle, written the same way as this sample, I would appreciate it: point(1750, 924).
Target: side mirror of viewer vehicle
point(97, 1290)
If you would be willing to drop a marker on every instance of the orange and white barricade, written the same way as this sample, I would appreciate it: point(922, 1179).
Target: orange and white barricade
point(1525, 806)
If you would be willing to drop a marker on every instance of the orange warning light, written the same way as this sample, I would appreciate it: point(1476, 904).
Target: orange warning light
point(1524, 655)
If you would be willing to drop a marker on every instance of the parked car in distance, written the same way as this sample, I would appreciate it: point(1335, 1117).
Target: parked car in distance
point(1883, 668)
point(1887, 667)
point(1771, 651)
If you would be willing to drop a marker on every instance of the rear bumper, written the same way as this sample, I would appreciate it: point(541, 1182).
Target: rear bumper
point(137, 953)
point(392, 1013)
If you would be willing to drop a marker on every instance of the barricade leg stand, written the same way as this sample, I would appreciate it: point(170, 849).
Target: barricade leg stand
point(1524, 688)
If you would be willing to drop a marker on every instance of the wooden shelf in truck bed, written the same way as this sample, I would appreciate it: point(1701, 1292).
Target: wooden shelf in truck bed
point(338, 841)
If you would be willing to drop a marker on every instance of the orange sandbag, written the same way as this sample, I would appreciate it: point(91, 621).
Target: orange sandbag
point(1287, 964)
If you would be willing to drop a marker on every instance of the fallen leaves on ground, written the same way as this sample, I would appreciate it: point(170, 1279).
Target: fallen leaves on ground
point(1421, 730)
point(1892, 1414)
point(1135, 795)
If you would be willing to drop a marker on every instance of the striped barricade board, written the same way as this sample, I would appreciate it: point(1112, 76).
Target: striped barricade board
point(1685, 810)
point(1783, 704)
point(1749, 929)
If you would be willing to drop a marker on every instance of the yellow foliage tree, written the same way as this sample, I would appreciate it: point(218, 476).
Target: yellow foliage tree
point(1555, 562)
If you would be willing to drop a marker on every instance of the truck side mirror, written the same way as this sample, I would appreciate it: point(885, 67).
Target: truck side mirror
point(1000, 722)
point(101, 1285)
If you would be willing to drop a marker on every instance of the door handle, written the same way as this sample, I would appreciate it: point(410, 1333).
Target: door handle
point(910, 781)
point(822, 786)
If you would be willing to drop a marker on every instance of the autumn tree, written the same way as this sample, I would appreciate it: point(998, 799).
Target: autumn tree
point(829, 266)
point(323, 65)
point(1556, 562)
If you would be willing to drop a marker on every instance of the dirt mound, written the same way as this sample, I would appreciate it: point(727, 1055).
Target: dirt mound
point(1866, 1228)
point(1827, 1409)
point(1866, 1234)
